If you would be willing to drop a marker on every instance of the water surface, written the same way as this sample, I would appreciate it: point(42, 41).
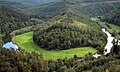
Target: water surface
point(10, 45)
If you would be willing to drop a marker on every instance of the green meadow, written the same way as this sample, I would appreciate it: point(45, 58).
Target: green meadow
point(25, 42)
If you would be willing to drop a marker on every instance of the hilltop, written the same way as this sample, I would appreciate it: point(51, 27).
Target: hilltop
point(64, 16)
point(63, 36)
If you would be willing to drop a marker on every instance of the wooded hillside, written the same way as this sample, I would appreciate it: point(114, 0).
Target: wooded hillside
point(113, 17)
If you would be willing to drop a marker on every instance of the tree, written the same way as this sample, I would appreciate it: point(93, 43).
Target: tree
point(75, 56)
point(1, 42)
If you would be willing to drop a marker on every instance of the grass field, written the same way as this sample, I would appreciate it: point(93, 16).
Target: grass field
point(25, 42)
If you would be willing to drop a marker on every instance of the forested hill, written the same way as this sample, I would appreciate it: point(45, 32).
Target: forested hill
point(87, 7)
point(4, 2)
point(48, 11)
point(15, 12)
point(65, 13)
point(12, 18)
point(70, 35)
point(113, 17)
point(53, 7)
point(32, 1)
point(93, 7)
point(24, 4)
point(68, 28)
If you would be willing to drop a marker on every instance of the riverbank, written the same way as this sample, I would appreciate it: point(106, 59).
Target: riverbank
point(109, 45)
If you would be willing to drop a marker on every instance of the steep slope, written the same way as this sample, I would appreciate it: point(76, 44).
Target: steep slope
point(94, 7)
point(64, 21)
point(12, 18)
point(24, 4)
point(113, 17)
point(14, 4)
point(32, 1)
point(51, 10)
point(69, 29)
point(4, 2)
point(48, 11)
point(90, 8)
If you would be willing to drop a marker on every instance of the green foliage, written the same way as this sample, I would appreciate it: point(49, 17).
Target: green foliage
point(65, 36)
point(48, 11)
point(12, 18)
point(87, 63)
point(25, 41)
point(90, 8)
point(113, 17)
point(21, 61)
point(4, 2)
point(68, 27)
point(98, 8)
point(1, 42)
point(12, 61)
point(112, 28)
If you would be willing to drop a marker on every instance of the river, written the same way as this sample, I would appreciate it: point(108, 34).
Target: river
point(109, 44)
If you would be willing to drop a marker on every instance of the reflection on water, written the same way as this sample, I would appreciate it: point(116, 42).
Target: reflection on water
point(10, 45)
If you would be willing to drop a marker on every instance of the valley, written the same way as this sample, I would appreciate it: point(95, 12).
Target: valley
point(59, 35)
point(88, 4)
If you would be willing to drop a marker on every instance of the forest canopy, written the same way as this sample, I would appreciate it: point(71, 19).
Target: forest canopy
point(112, 17)
point(65, 36)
